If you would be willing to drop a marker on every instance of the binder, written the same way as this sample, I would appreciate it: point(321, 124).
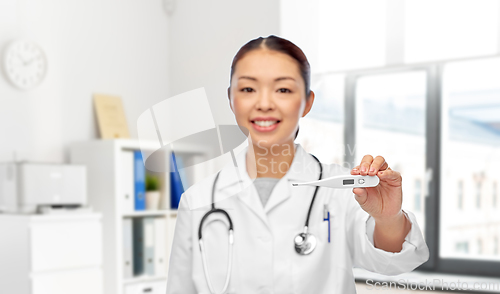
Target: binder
point(128, 271)
point(127, 175)
point(176, 188)
point(160, 245)
point(143, 246)
point(149, 243)
point(139, 181)
point(138, 246)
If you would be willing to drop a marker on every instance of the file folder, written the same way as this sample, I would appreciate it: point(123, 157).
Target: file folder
point(140, 181)
point(128, 271)
point(176, 188)
point(127, 181)
point(138, 246)
point(149, 243)
point(160, 245)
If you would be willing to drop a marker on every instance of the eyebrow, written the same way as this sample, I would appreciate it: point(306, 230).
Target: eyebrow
point(277, 79)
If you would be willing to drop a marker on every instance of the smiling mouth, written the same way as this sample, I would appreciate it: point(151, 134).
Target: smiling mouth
point(265, 123)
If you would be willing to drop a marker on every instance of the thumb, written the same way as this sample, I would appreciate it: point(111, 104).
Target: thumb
point(360, 195)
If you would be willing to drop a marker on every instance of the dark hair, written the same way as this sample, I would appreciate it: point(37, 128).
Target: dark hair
point(275, 43)
point(297, 133)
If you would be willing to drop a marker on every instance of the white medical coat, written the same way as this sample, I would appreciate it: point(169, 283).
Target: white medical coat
point(265, 260)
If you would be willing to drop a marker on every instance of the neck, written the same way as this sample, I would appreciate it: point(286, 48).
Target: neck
point(269, 161)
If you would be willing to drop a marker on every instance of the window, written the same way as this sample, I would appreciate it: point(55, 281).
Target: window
point(478, 195)
point(418, 195)
point(390, 121)
point(452, 29)
point(462, 247)
point(350, 37)
point(337, 35)
point(321, 131)
point(469, 131)
point(422, 113)
point(494, 194)
point(460, 193)
point(344, 35)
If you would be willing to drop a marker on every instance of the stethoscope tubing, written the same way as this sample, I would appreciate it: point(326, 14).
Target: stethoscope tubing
point(229, 264)
point(315, 192)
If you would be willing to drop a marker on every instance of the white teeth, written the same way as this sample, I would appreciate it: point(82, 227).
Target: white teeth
point(265, 123)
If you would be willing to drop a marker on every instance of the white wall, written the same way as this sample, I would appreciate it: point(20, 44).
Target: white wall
point(93, 46)
point(131, 48)
point(205, 35)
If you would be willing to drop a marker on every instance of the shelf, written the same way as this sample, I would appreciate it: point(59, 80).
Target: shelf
point(144, 278)
point(135, 144)
point(108, 179)
point(150, 213)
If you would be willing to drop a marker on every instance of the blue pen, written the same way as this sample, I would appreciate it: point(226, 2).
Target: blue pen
point(326, 217)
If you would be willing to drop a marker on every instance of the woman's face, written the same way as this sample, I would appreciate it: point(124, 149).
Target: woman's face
point(267, 96)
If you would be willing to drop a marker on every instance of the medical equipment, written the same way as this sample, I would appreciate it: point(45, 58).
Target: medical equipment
point(30, 187)
point(326, 217)
point(346, 181)
point(231, 242)
point(304, 242)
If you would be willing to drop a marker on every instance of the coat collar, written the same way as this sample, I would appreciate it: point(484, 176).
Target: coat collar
point(236, 181)
point(304, 168)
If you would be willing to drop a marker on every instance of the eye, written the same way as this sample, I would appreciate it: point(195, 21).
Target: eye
point(284, 90)
point(247, 89)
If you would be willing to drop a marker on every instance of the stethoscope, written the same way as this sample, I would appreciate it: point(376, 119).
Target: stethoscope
point(304, 242)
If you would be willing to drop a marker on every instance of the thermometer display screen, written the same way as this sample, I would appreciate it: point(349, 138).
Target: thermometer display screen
point(349, 182)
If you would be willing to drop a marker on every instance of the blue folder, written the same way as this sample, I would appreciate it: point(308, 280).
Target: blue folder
point(176, 188)
point(139, 181)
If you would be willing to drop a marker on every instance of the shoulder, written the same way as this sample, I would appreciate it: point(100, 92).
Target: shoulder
point(199, 194)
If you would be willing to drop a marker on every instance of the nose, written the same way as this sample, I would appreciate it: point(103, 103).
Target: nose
point(265, 101)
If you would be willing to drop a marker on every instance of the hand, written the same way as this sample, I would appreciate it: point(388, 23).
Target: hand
point(382, 202)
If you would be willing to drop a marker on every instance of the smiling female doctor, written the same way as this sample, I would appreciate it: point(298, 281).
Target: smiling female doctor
point(364, 227)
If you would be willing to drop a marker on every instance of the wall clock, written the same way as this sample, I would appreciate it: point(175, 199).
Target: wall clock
point(25, 64)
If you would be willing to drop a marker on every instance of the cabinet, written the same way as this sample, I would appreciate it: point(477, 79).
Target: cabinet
point(51, 254)
point(107, 188)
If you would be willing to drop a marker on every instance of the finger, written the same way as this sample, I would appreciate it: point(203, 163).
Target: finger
point(355, 170)
point(384, 166)
point(389, 175)
point(360, 195)
point(365, 164)
point(376, 165)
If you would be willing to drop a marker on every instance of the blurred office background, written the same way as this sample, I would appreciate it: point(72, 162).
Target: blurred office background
point(417, 81)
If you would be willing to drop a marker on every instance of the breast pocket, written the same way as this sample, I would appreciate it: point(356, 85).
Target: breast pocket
point(326, 228)
point(322, 270)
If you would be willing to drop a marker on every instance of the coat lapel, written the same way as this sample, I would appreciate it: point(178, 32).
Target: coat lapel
point(235, 181)
point(304, 168)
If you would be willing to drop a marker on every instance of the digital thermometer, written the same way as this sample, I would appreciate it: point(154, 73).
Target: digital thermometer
point(343, 182)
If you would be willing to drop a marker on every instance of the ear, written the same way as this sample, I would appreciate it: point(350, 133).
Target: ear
point(229, 98)
point(309, 104)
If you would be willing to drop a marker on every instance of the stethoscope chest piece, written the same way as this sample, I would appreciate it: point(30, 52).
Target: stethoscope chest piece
point(305, 243)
